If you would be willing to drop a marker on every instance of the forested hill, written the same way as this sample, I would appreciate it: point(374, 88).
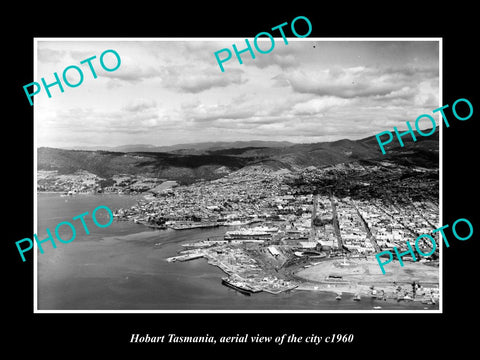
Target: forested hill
point(187, 165)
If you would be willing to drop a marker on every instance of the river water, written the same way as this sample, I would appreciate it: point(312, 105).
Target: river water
point(123, 267)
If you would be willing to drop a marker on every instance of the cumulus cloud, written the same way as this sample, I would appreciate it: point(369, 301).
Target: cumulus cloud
point(47, 55)
point(282, 56)
point(131, 72)
point(318, 105)
point(351, 82)
point(138, 118)
point(170, 92)
point(195, 80)
point(284, 61)
point(248, 111)
point(208, 114)
point(140, 104)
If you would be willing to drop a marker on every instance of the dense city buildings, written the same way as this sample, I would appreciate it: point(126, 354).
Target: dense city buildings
point(309, 229)
point(314, 228)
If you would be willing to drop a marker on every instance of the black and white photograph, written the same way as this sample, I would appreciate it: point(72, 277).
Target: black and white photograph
point(218, 180)
point(261, 187)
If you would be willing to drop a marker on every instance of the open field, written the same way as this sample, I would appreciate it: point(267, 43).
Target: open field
point(367, 271)
point(363, 275)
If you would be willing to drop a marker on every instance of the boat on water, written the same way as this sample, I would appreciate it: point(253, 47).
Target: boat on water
point(242, 222)
point(240, 286)
point(377, 307)
point(155, 226)
point(185, 257)
point(247, 233)
point(356, 297)
point(264, 228)
point(235, 223)
point(193, 225)
point(339, 296)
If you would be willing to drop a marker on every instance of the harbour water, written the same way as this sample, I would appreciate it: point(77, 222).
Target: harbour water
point(124, 267)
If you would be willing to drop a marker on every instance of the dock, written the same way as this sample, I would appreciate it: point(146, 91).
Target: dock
point(194, 225)
point(185, 257)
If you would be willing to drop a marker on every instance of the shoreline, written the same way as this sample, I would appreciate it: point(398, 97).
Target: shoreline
point(289, 275)
point(396, 288)
point(171, 242)
point(381, 292)
point(348, 291)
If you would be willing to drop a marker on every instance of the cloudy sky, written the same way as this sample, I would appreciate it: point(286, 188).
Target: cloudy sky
point(170, 92)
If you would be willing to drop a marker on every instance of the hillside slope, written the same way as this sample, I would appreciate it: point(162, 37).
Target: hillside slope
point(211, 163)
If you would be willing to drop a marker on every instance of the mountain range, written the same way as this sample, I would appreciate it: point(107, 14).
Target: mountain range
point(186, 163)
point(190, 147)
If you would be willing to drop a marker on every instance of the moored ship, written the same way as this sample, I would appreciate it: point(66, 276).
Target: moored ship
point(240, 286)
point(185, 257)
point(184, 225)
point(248, 234)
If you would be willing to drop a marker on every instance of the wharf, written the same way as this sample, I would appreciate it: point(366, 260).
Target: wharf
point(276, 291)
point(192, 226)
point(206, 243)
point(241, 285)
point(246, 279)
point(244, 272)
point(185, 257)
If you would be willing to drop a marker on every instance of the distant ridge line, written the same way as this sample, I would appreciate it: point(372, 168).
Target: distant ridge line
point(214, 145)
